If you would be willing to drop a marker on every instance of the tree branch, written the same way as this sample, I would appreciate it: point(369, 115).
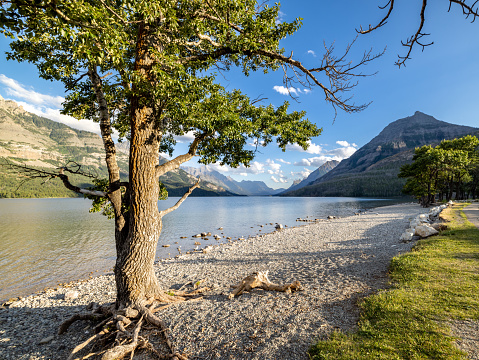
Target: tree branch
point(177, 161)
point(415, 39)
point(32, 173)
point(390, 3)
point(183, 198)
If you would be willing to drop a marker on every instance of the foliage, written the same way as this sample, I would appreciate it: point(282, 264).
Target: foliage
point(444, 169)
point(435, 283)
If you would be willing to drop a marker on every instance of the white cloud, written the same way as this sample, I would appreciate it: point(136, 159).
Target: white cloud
point(256, 143)
point(312, 148)
point(342, 153)
point(54, 114)
point(276, 168)
point(342, 143)
point(301, 174)
point(17, 90)
point(284, 161)
point(283, 90)
point(312, 53)
point(254, 168)
point(316, 161)
point(280, 180)
point(186, 138)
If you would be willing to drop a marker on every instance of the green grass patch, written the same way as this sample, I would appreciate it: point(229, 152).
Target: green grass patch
point(437, 281)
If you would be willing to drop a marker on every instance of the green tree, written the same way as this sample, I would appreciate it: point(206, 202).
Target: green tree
point(423, 173)
point(148, 69)
point(439, 169)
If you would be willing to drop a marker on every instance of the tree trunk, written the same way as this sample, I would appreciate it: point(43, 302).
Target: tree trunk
point(134, 273)
point(136, 247)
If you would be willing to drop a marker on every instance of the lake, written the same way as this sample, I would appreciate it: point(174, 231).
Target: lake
point(44, 242)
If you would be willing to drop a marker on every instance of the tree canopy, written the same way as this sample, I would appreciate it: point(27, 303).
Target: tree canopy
point(450, 167)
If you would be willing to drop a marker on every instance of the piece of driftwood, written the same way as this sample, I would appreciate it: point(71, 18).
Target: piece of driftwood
point(260, 280)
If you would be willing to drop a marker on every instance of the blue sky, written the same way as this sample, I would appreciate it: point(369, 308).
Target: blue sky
point(441, 81)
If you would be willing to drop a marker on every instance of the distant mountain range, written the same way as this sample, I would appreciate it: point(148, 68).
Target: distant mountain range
point(245, 187)
point(26, 138)
point(372, 170)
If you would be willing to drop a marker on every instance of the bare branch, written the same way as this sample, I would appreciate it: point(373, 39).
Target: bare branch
point(183, 198)
point(31, 173)
point(415, 39)
point(390, 3)
point(467, 10)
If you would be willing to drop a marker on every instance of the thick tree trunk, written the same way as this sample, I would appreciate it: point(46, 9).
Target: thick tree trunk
point(135, 277)
point(136, 248)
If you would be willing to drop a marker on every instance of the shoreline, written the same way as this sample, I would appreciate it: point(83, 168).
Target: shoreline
point(337, 262)
point(22, 278)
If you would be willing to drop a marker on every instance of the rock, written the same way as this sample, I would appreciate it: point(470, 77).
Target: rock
point(278, 226)
point(46, 340)
point(220, 228)
point(197, 235)
point(406, 236)
point(217, 236)
point(330, 217)
point(203, 234)
point(207, 249)
point(71, 295)
point(424, 218)
point(166, 245)
point(425, 231)
point(197, 243)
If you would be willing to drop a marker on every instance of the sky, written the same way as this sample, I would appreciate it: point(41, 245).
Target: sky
point(441, 80)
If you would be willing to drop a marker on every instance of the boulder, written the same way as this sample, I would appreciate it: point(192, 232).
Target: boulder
point(425, 231)
point(278, 226)
point(406, 236)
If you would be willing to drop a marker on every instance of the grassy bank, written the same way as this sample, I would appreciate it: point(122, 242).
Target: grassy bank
point(436, 282)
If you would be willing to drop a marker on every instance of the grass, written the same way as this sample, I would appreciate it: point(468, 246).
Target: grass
point(436, 282)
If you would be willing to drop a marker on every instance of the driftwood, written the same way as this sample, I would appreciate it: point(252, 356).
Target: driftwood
point(260, 280)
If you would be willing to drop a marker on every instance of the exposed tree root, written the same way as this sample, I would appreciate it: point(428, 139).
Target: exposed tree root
point(260, 280)
point(122, 331)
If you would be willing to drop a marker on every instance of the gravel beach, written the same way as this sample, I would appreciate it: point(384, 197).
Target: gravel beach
point(337, 261)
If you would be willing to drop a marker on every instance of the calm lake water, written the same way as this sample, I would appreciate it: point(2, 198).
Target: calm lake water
point(44, 242)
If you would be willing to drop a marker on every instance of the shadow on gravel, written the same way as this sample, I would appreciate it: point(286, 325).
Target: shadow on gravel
point(22, 331)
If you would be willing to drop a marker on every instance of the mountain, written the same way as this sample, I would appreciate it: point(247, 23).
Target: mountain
point(32, 140)
point(244, 187)
point(316, 174)
point(372, 170)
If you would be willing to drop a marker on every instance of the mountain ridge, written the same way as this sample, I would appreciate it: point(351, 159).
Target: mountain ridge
point(372, 170)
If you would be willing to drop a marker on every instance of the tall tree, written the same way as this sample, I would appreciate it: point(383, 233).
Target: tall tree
point(148, 69)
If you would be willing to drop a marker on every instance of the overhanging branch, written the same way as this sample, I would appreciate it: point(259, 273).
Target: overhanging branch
point(31, 173)
point(183, 198)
